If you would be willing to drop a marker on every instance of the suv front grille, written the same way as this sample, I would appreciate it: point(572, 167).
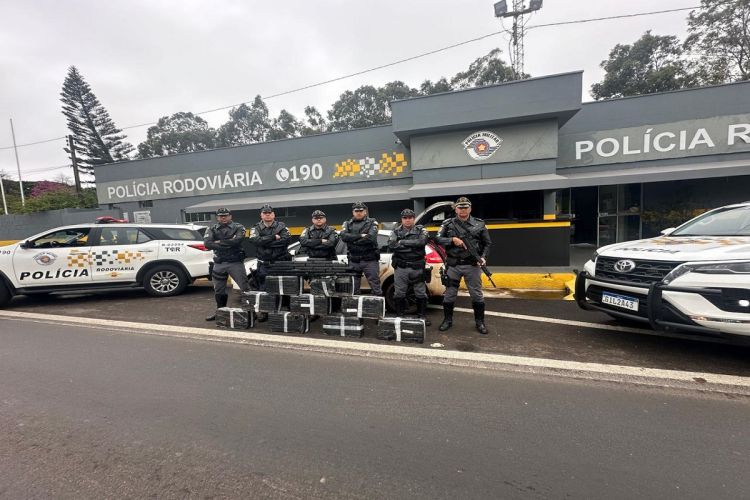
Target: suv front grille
point(645, 272)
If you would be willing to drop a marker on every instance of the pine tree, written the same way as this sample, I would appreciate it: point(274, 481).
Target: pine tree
point(96, 137)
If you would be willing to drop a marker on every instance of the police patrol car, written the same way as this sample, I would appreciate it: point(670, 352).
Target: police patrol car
point(161, 258)
point(694, 278)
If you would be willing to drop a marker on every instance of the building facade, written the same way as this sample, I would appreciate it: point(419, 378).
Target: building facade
point(544, 169)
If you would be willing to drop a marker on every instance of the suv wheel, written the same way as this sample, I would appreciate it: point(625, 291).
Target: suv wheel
point(165, 281)
point(5, 295)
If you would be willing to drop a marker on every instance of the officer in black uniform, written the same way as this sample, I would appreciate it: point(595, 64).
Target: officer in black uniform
point(320, 239)
point(225, 239)
point(460, 263)
point(407, 241)
point(271, 238)
point(360, 233)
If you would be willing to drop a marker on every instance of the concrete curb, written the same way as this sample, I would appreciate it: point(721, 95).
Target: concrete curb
point(705, 382)
point(528, 281)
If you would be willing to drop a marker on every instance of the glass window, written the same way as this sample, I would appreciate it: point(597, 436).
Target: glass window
point(734, 221)
point(74, 237)
point(182, 234)
point(145, 204)
point(113, 235)
point(199, 217)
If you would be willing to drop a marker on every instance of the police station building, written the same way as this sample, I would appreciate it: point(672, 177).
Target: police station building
point(545, 170)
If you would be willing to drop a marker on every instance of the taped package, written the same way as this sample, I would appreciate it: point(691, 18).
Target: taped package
point(260, 301)
point(363, 306)
point(323, 286)
point(402, 329)
point(289, 322)
point(342, 325)
point(284, 285)
point(308, 303)
point(234, 318)
point(345, 285)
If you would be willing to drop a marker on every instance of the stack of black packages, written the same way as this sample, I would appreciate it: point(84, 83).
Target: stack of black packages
point(363, 306)
point(308, 268)
point(289, 322)
point(402, 329)
point(308, 303)
point(342, 325)
point(325, 286)
point(284, 284)
point(260, 301)
point(344, 285)
point(234, 318)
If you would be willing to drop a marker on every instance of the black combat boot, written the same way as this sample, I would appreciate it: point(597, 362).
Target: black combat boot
point(447, 317)
point(479, 317)
point(221, 301)
point(422, 311)
point(400, 306)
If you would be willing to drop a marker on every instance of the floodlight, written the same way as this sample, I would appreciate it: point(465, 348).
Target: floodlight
point(535, 4)
point(501, 8)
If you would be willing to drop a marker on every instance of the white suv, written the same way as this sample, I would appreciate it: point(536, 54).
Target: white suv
point(162, 258)
point(694, 278)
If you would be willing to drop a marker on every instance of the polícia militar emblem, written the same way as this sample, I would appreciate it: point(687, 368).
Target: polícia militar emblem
point(482, 145)
point(45, 258)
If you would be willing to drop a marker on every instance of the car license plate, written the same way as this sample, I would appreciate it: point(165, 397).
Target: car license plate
point(620, 301)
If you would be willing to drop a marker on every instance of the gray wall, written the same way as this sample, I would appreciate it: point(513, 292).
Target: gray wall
point(20, 226)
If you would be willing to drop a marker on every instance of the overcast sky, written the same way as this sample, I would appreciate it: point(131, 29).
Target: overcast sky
point(149, 58)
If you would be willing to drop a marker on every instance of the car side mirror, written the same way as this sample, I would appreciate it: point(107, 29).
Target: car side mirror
point(668, 231)
point(27, 244)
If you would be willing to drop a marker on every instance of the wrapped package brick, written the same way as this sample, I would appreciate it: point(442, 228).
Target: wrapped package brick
point(308, 303)
point(284, 285)
point(235, 318)
point(289, 322)
point(402, 329)
point(260, 301)
point(345, 285)
point(325, 286)
point(363, 306)
point(342, 325)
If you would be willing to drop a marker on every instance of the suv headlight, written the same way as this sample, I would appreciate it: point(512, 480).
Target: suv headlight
point(728, 267)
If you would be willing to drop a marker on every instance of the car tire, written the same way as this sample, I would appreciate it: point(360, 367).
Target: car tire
point(5, 294)
point(390, 301)
point(165, 281)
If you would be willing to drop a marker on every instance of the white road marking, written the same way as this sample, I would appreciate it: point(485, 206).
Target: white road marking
point(597, 326)
point(707, 382)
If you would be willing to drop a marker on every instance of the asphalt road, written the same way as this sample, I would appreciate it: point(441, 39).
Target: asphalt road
point(89, 413)
point(508, 336)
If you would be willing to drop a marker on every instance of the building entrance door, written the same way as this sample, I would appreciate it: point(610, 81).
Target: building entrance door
point(619, 213)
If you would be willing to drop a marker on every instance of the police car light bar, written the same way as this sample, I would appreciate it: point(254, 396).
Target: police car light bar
point(107, 219)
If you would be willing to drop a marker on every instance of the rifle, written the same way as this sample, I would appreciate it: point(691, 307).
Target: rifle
point(472, 249)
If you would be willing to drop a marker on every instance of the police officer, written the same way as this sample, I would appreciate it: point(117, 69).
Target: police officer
point(271, 238)
point(320, 239)
point(460, 263)
point(225, 239)
point(360, 233)
point(407, 241)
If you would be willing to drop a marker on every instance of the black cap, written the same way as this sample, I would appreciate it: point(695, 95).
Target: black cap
point(223, 211)
point(266, 208)
point(359, 205)
point(407, 212)
point(462, 202)
point(318, 213)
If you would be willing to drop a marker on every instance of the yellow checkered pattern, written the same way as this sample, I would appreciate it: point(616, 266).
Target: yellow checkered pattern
point(393, 165)
point(346, 168)
point(126, 257)
point(78, 260)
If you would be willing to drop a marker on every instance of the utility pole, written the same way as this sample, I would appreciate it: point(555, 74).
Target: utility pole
point(73, 158)
point(2, 190)
point(18, 164)
point(518, 32)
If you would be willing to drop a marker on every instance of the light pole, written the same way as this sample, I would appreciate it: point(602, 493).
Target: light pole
point(18, 164)
point(518, 33)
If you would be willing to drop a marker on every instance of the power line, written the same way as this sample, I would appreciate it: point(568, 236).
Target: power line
point(394, 63)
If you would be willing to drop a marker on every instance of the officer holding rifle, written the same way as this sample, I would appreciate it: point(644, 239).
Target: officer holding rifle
point(467, 243)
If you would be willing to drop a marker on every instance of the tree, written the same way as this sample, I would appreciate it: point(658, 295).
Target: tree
point(314, 122)
point(285, 126)
point(719, 35)
point(246, 124)
point(486, 70)
point(367, 106)
point(182, 132)
point(652, 64)
point(429, 88)
point(95, 135)
point(42, 187)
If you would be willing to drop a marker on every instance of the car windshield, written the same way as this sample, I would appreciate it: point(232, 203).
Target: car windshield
point(730, 221)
